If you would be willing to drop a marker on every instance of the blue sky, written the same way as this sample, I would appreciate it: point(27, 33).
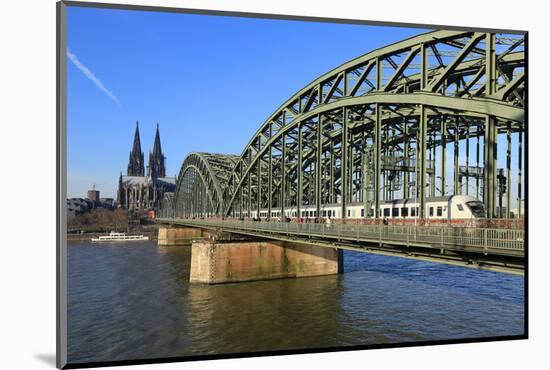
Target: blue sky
point(209, 81)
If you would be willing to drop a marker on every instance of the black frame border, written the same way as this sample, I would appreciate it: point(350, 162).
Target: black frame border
point(61, 172)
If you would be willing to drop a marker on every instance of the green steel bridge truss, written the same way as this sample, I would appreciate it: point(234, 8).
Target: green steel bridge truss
point(375, 128)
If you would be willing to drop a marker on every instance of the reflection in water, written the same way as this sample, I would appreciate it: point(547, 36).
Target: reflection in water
point(134, 301)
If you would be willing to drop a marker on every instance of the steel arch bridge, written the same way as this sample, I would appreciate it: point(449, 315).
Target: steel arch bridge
point(375, 128)
point(199, 186)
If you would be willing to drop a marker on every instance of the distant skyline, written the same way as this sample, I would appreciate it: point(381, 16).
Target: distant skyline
point(209, 81)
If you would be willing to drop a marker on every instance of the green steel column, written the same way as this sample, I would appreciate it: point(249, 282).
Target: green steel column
point(508, 165)
point(376, 155)
point(283, 177)
point(490, 64)
point(432, 161)
point(249, 200)
point(194, 198)
point(351, 168)
point(361, 177)
point(299, 174)
point(520, 160)
point(331, 184)
point(443, 155)
point(344, 162)
point(477, 162)
point(259, 185)
point(190, 195)
point(379, 66)
point(467, 158)
point(456, 154)
point(387, 155)
point(318, 165)
point(489, 183)
point(270, 182)
point(241, 194)
point(422, 154)
point(406, 158)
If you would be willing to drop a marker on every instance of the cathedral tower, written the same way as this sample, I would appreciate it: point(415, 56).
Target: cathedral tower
point(136, 165)
point(156, 166)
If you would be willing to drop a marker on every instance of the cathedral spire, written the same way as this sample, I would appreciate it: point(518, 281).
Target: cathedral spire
point(136, 163)
point(136, 148)
point(157, 150)
point(156, 159)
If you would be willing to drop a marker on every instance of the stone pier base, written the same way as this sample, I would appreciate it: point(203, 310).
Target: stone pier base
point(178, 235)
point(228, 262)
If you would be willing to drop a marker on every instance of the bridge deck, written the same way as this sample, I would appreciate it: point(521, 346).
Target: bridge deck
point(498, 243)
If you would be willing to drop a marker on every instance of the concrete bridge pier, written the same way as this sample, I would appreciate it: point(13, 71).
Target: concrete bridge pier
point(172, 235)
point(215, 261)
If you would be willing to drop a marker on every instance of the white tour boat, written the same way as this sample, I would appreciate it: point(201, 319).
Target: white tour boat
point(119, 237)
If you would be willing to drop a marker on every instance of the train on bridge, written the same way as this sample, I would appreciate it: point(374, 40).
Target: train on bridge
point(453, 209)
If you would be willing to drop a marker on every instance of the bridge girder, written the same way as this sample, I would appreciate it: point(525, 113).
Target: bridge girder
point(472, 83)
point(404, 101)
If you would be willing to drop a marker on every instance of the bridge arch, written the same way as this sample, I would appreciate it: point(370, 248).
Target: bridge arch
point(373, 125)
point(166, 209)
point(200, 184)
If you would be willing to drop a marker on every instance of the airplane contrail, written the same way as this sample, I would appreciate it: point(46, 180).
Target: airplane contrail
point(91, 76)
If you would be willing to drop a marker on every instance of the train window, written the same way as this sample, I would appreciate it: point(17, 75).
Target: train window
point(363, 212)
point(395, 212)
point(404, 211)
point(431, 211)
point(386, 212)
point(477, 208)
point(440, 211)
point(413, 211)
point(460, 207)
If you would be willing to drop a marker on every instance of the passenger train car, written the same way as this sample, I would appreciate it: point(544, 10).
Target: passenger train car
point(446, 208)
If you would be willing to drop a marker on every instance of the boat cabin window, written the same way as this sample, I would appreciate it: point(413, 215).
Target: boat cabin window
point(440, 211)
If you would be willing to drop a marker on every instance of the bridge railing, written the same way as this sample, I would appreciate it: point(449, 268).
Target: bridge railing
point(456, 237)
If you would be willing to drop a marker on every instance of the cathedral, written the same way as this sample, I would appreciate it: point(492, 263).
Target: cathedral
point(140, 191)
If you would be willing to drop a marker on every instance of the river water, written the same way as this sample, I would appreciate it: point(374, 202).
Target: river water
point(134, 301)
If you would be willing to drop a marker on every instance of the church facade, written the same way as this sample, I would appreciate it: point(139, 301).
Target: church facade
point(140, 190)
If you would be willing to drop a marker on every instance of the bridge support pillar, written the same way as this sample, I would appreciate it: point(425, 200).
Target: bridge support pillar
point(239, 261)
point(178, 235)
